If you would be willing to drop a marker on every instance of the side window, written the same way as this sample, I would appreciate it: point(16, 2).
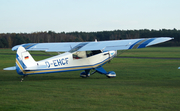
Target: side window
point(85, 54)
point(79, 55)
point(91, 53)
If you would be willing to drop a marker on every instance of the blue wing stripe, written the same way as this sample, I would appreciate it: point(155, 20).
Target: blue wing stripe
point(134, 44)
point(145, 43)
point(27, 46)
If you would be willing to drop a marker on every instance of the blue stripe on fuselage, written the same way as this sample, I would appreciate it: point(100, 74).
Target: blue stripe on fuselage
point(18, 70)
point(20, 61)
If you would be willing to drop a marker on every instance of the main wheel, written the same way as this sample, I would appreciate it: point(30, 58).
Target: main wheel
point(111, 74)
point(84, 75)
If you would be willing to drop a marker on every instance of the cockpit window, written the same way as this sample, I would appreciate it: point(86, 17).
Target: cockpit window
point(77, 47)
point(94, 52)
point(85, 54)
point(79, 55)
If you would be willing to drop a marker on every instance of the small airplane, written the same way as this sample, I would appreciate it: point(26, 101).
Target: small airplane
point(85, 56)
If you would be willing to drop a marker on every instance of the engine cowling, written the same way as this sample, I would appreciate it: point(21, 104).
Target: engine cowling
point(111, 74)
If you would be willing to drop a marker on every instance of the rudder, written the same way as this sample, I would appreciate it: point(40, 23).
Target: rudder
point(23, 60)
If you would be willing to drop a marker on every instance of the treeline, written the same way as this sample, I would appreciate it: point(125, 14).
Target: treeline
point(8, 40)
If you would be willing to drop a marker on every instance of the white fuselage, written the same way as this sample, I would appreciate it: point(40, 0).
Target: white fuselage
point(67, 62)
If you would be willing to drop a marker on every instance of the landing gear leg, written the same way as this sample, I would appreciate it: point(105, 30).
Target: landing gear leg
point(92, 71)
point(22, 77)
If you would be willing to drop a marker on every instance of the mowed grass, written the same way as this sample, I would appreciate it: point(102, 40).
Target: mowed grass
point(141, 84)
point(165, 52)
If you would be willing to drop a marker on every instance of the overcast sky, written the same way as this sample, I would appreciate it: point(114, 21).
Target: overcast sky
point(28, 16)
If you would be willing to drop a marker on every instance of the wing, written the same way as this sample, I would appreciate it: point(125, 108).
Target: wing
point(100, 45)
point(48, 47)
point(124, 44)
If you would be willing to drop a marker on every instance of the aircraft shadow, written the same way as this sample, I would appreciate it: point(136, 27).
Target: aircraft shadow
point(46, 78)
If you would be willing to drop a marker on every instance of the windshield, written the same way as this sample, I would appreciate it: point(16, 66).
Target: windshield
point(77, 47)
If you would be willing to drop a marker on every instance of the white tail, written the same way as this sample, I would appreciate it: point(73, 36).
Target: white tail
point(23, 60)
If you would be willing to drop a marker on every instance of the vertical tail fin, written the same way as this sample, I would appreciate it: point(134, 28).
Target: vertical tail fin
point(23, 60)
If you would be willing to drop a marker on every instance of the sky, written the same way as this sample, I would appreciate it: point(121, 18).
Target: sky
point(27, 16)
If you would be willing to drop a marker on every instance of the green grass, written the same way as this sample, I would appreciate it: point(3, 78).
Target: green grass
point(141, 84)
point(168, 52)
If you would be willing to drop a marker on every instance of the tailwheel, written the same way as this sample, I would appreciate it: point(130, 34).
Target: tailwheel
point(22, 77)
point(111, 74)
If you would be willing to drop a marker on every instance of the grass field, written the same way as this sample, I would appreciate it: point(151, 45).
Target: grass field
point(141, 84)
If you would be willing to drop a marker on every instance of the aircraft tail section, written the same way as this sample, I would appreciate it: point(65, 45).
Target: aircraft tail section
point(23, 60)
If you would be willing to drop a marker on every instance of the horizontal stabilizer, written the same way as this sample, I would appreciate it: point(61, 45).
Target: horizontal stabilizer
point(10, 68)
